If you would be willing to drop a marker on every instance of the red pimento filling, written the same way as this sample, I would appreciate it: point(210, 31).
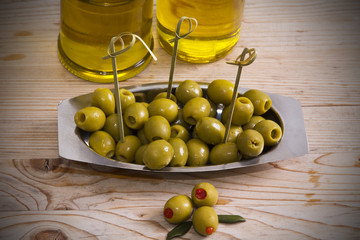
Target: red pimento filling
point(200, 193)
point(209, 230)
point(168, 213)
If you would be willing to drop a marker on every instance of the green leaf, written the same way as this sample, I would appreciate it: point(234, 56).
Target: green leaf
point(179, 230)
point(230, 219)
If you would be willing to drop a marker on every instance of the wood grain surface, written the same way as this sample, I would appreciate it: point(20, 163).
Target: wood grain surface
point(307, 49)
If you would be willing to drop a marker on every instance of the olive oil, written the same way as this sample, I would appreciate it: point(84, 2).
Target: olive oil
point(87, 27)
point(218, 30)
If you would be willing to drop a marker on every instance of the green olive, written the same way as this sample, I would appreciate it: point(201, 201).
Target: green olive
point(195, 109)
point(158, 154)
point(187, 90)
point(180, 120)
point(104, 99)
point(243, 111)
point(198, 152)
point(250, 143)
point(194, 134)
point(270, 130)
point(210, 130)
point(213, 109)
point(90, 119)
point(224, 153)
point(126, 98)
point(224, 115)
point(178, 208)
point(234, 133)
point(178, 131)
point(164, 107)
point(111, 127)
point(261, 101)
point(253, 121)
point(204, 194)
point(164, 95)
point(102, 143)
point(205, 220)
point(139, 155)
point(157, 127)
point(180, 152)
point(145, 104)
point(136, 115)
point(141, 135)
point(125, 151)
point(220, 91)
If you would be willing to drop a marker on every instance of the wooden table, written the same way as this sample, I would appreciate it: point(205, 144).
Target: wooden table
point(308, 50)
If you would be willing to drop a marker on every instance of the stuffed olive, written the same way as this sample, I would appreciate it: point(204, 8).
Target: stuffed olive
point(204, 194)
point(178, 208)
point(205, 220)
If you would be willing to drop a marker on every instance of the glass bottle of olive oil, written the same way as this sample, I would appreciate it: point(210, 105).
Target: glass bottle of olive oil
point(218, 30)
point(87, 27)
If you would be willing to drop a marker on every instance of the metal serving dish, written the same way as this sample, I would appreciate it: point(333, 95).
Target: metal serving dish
point(286, 111)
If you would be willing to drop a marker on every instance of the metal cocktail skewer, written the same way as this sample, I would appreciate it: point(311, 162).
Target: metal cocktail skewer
point(176, 44)
point(241, 62)
point(112, 54)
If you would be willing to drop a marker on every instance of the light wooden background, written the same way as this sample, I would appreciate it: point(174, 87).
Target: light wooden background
point(307, 49)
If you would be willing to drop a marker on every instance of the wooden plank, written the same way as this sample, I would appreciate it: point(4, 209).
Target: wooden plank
point(145, 223)
point(48, 184)
point(312, 197)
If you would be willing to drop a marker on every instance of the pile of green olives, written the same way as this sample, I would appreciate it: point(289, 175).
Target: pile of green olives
point(204, 218)
point(186, 130)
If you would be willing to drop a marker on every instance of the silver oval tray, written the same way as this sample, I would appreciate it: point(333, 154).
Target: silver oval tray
point(285, 110)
